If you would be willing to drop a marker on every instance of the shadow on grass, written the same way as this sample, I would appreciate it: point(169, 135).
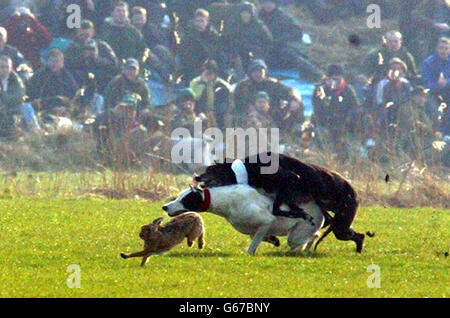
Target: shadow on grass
point(198, 254)
point(295, 255)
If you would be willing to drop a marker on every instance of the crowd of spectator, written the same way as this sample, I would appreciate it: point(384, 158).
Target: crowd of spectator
point(213, 59)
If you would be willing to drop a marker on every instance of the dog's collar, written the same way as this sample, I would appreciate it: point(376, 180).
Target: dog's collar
point(207, 201)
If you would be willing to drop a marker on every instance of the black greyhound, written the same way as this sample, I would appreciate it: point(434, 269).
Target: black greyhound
point(293, 181)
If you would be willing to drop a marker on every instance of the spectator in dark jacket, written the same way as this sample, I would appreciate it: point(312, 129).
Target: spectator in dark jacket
point(336, 106)
point(200, 43)
point(287, 51)
point(89, 55)
point(436, 69)
point(248, 38)
point(160, 59)
point(436, 77)
point(393, 94)
point(53, 79)
point(376, 63)
point(212, 95)
point(157, 29)
point(122, 36)
point(284, 100)
point(186, 9)
point(129, 82)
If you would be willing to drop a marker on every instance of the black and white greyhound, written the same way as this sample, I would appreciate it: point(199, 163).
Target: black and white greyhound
point(249, 211)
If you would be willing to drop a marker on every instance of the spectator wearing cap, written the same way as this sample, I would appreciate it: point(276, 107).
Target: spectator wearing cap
point(122, 36)
point(28, 35)
point(414, 130)
point(130, 82)
point(376, 63)
point(248, 38)
point(89, 55)
point(116, 126)
point(52, 80)
point(200, 43)
point(392, 95)
point(287, 50)
point(395, 89)
point(284, 100)
point(259, 112)
point(212, 95)
point(182, 110)
point(336, 106)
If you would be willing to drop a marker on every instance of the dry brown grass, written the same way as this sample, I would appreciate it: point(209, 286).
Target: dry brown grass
point(411, 184)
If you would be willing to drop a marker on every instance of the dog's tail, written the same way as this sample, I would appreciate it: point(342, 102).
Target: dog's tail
point(328, 231)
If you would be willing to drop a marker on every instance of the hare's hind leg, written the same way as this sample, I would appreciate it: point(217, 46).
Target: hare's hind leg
point(144, 260)
point(137, 254)
point(201, 241)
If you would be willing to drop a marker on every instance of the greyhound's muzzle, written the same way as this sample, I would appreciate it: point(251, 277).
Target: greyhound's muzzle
point(174, 208)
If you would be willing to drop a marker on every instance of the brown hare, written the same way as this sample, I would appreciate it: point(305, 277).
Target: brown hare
point(162, 238)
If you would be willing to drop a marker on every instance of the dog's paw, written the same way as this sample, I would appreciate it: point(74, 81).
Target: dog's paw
point(123, 255)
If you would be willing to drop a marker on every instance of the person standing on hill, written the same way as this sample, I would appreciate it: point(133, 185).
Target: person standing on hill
point(284, 100)
point(336, 107)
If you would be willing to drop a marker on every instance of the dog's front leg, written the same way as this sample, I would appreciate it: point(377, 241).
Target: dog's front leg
point(257, 239)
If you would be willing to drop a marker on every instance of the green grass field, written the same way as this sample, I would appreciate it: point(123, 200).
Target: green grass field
point(41, 238)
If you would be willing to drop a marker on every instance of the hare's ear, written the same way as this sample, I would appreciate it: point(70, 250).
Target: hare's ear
point(158, 221)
